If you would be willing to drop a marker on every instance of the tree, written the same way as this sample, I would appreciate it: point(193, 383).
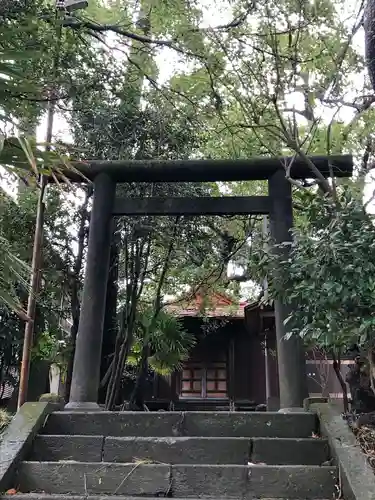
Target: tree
point(17, 226)
point(369, 27)
point(328, 277)
point(27, 83)
point(334, 234)
point(31, 79)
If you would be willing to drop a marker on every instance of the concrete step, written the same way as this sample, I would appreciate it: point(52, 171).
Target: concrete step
point(202, 424)
point(177, 450)
point(179, 481)
point(44, 496)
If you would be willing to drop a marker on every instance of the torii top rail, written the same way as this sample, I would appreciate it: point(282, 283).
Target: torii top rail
point(278, 204)
point(200, 170)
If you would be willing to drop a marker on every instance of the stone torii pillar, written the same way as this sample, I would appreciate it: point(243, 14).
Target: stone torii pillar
point(86, 369)
point(290, 353)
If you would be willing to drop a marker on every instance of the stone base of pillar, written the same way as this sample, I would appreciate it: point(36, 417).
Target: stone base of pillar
point(311, 400)
point(273, 403)
point(82, 406)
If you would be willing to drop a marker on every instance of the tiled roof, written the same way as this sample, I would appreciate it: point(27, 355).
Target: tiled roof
point(218, 306)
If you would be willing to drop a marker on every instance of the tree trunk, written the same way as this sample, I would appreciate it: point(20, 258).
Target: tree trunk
point(369, 27)
point(137, 397)
point(336, 367)
point(75, 285)
point(110, 319)
point(69, 369)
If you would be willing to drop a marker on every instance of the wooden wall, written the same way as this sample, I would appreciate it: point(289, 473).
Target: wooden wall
point(244, 353)
point(245, 363)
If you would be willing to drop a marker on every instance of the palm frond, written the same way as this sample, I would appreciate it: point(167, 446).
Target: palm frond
point(14, 273)
point(169, 342)
point(20, 155)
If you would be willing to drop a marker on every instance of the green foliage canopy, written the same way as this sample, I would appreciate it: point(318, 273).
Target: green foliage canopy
point(327, 274)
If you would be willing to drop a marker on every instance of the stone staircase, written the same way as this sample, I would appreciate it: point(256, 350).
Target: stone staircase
point(225, 455)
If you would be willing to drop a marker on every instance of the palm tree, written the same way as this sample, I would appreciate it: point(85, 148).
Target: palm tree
point(13, 271)
point(21, 158)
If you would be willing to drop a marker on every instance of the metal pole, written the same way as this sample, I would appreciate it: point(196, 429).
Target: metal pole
point(35, 271)
point(37, 255)
point(31, 303)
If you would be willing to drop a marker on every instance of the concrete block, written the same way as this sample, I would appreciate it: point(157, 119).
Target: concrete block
point(45, 496)
point(163, 424)
point(292, 481)
point(357, 476)
point(250, 424)
point(212, 481)
point(105, 423)
point(57, 401)
point(178, 450)
point(273, 403)
point(95, 479)
point(79, 448)
point(307, 402)
point(290, 451)
point(16, 441)
point(235, 481)
point(183, 481)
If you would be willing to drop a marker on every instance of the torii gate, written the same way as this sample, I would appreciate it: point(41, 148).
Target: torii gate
point(278, 205)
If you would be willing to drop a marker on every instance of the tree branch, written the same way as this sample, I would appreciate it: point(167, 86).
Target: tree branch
point(114, 28)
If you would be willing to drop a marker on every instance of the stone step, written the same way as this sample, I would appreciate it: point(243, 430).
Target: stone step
point(44, 496)
point(179, 481)
point(177, 450)
point(202, 424)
